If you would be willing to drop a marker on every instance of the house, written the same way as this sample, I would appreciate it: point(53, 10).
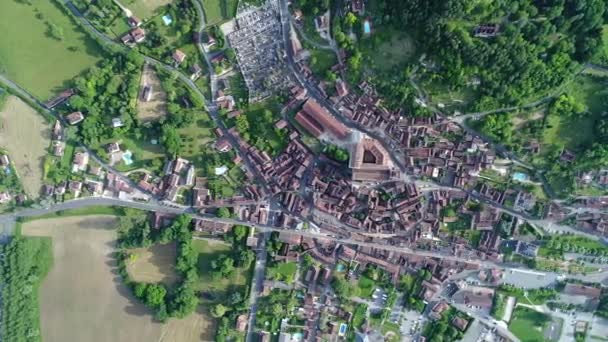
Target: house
point(117, 122)
point(80, 162)
point(341, 88)
point(223, 145)
point(47, 190)
point(134, 21)
point(57, 131)
point(113, 148)
point(95, 170)
point(241, 322)
point(226, 102)
point(138, 35)
point(4, 160)
point(582, 290)
point(75, 187)
point(179, 57)
point(95, 187)
point(486, 31)
point(282, 123)
point(196, 71)
point(207, 40)
point(74, 118)
point(5, 197)
point(146, 93)
point(460, 323)
point(60, 188)
point(58, 148)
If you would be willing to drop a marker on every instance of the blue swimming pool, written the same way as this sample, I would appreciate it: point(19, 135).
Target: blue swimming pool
point(367, 27)
point(520, 176)
point(127, 157)
point(343, 327)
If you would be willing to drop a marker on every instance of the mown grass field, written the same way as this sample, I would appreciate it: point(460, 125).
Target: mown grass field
point(84, 299)
point(31, 57)
point(18, 120)
point(217, 11)
point(528, 325)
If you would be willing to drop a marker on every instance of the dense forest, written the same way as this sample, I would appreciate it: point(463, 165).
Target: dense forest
point(539, 44)
point(23, 266)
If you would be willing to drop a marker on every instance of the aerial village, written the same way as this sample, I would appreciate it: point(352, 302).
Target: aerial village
point(379, 225)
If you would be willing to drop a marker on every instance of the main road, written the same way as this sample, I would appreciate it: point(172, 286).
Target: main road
point(264, 228)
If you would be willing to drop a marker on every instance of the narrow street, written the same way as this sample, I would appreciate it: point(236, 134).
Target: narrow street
point(257, 284)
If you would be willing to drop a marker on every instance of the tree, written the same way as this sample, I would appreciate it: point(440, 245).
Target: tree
point(350, 19)
point(155, 295)
point(223, 212)
point(140, 290)
point(218, 310)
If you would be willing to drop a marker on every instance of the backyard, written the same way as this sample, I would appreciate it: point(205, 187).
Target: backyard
point(41, 48)
point(82, 298)
point(18, 120)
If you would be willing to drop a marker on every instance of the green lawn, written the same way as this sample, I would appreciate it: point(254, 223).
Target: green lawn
point(145, 9)
point(528, 324)
point(217, 11)
point(366, 286)
point(31, 57)
point(387, 49)
point(217, 288)
point(284, 271)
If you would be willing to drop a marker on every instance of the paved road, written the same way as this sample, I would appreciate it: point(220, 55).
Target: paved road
point(257, 285)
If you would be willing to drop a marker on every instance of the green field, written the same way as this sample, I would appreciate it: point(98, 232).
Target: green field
point(31, 57)
point(528, 324)
point(216, 288)
point(578, 134)
point(217, 11)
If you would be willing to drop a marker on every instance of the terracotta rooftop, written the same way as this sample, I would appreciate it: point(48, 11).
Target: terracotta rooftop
point(370, 160)
point(317, 120)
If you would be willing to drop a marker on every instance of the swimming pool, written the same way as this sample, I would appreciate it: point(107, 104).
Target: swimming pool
point(127, 157)
point(342, 330)
point(167, 19)
point(367, 27)
point(520, 176)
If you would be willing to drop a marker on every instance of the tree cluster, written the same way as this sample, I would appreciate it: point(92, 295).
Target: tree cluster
point(134, 231)
point(107, 91)
point(336, 153)
point(23, 266)
point(237, 302)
